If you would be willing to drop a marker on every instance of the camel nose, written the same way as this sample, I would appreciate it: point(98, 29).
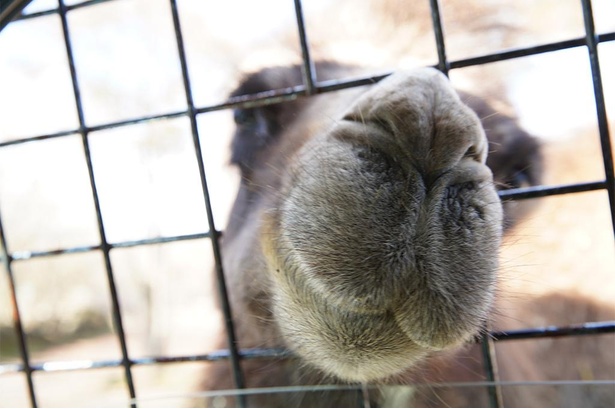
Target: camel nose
point(417, 118)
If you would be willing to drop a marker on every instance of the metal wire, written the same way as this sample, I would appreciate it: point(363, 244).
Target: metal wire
point(307, 69)
point(10, 9)
point(55, 10)
point(350, 388)
point(21, 334)
point(490, 365)
point(436, 19)
point(588, 328)
point(310, 86)
point(603, 126)
point(276, 97)
point(104, 244)
point(224, 300)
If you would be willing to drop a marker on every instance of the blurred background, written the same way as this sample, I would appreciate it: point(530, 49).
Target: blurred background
point(147, 176)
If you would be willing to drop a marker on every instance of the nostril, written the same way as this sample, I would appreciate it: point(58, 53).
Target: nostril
point(472, 153)
point(477, 151)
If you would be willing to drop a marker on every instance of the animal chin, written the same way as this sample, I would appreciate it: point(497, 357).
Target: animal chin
point(353, 347)
point(357, 346)
point(358, 362)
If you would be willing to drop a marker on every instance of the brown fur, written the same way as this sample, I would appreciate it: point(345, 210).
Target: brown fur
point(365, 236)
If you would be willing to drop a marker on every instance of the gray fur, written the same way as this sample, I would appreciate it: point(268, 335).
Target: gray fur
point(365, 234)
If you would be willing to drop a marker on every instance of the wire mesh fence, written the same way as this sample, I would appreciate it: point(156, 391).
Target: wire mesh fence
point(105, 246)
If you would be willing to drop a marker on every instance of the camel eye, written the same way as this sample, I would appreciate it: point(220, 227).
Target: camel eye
point(517, 180)
point(244, 117)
